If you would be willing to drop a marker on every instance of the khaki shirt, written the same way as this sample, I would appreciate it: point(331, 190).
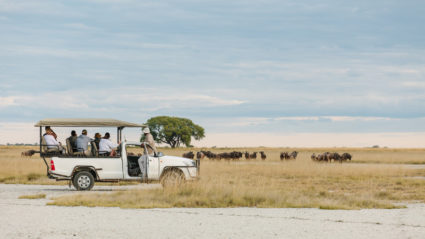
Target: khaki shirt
point(149, 139)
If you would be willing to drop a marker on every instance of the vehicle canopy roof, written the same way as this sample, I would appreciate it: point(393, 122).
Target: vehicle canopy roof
point(86, 122)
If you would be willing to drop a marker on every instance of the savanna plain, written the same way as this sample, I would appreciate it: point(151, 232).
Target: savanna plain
point(374, 178)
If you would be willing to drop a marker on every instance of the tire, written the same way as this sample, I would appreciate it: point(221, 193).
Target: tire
point(83, 181)
point(172, 178)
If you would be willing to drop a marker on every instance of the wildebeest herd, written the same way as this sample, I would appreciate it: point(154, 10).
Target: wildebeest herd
point(237, 155)
point(328, 157)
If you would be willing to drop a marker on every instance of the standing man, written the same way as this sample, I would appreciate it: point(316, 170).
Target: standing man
point(149, 139)
point(143, 159)
point(83, 142)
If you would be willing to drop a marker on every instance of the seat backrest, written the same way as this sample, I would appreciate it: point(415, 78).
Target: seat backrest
point(94, 150)
point(44, 144)
point(68, 147)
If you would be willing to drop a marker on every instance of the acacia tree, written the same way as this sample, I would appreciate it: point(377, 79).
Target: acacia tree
point(174, 131)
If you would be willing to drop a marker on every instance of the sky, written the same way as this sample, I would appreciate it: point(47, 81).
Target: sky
point(252, 73)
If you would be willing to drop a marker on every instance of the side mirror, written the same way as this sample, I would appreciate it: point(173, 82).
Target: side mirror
point(159, 154)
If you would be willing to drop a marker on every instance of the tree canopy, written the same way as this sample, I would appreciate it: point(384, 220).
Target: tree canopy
point(174, 131)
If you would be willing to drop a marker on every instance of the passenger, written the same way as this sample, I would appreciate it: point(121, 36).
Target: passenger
point(73, 141)
point(50, 131)
point(83, 142)
point(107, 147)
point(51, 142)
point(97, 138)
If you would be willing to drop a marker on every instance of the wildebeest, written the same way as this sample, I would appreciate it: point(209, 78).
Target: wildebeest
point(28, 153)
point(253, 155)
point(200, 155)
point(284, 155)
point(328, 157)
point(293, 155)
point(247, 155)
point(189, 155)
point(345, 157)
point(335, 157)
point(263, 155)
point(287, 155)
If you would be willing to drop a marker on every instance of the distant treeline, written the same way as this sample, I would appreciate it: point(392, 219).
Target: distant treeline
point(20, 144)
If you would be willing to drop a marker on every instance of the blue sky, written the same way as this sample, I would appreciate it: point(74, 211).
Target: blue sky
point(231, 66)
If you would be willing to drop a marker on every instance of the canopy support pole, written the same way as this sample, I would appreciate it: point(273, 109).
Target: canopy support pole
point(40, 138)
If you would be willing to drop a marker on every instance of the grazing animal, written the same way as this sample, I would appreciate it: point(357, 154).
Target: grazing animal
point(293, 155)
point(336, 157)
point(345, 157)
point(313, 156)
point(253, 155)
point(28, 153)
point(247, 155)
point(189, 155)
point(263, 155)
point(200, 155)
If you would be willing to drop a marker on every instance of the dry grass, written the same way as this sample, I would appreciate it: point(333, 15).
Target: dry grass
point(17, 169)
point(35, 196)
point(272, 184)
point(379, 182)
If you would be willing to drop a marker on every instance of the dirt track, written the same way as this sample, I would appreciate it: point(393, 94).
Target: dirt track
point(25, 218)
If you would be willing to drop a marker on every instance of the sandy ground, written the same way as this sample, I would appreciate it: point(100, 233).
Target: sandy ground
point(26, 218)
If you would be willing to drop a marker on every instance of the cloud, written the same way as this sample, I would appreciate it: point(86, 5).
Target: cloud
point(56, 52)
point(8, 101)
point(414, 84)
point(82, 100)
point(80, 26)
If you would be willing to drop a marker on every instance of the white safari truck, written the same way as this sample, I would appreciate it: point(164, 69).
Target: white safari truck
point(83, 170)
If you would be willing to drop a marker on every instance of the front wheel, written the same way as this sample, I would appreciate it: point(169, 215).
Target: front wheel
point(172, 178)
point(83, 181)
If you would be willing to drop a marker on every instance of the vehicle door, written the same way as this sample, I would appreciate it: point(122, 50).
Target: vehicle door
point(109, 167)
point(152, 163)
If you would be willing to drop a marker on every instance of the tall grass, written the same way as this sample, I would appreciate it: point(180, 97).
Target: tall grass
point(17, 169)
point(290, 184)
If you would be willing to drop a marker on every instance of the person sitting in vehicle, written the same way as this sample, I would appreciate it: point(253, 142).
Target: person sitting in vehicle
point(82, 142)
point(107, 147)
point(97, 138)
point(50, 132)
point(51, 142)
point(73, 141)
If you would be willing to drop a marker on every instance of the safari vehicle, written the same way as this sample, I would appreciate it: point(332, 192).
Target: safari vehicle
point(84, 170)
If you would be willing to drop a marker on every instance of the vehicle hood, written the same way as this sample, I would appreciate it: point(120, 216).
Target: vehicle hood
point(178, 161)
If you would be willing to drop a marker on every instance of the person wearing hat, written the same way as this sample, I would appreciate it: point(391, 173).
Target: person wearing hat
point(143, 159)
point(83, 142)
point(149, 139)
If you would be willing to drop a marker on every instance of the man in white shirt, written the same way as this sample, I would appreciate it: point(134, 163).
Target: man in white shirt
point(52, 143)
point(106, 146)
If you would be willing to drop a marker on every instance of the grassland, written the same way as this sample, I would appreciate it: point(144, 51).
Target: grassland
point(376, 178)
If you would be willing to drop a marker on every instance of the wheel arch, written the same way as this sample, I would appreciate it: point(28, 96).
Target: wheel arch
point(87, 168)
point(171, 168)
